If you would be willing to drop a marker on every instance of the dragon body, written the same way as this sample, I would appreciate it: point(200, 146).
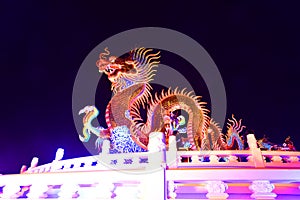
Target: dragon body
point(215, 140)
point(130, 75)
point(233, 139)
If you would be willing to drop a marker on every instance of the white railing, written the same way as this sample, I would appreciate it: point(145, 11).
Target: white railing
point(107, 176)
point(252, 158)
point(239, 158)
point(134, 161)
point(101, 184)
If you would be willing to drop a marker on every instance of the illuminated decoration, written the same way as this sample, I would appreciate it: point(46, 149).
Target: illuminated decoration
point(122, 141)
point(234, 129)
point(130, 75)
point(214, 139)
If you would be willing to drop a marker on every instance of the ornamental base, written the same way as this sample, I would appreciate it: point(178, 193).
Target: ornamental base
point(263, 196)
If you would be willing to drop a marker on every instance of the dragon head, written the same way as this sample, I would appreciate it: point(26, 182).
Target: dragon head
point(133, 67)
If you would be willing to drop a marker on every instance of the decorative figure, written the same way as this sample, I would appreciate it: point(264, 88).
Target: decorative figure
point(234, 140)
point(264, 143)
point(130, 75)
point(214, 139)
point(289, 144)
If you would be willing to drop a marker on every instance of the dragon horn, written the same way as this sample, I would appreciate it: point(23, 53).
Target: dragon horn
point(106, 53)
point(85, 109)
point(239, 124)
point(81, 111)
point(230, 124)
point(241, 129)
point(235, 121)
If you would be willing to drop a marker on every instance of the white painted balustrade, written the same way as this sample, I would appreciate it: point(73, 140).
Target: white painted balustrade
point(160, 174)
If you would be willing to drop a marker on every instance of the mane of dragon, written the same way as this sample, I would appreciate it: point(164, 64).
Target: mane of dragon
point(130, 75)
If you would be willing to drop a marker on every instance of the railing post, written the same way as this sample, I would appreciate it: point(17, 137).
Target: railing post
point(157, 146)
point(105, 147)
point(68, 190)
point(255, 151)
point(56, 163)
point(10, 191)
point(37, 190)
point(104, 158)
point(171, 189)
point(154, 185)
point(172, 152)
point(104, 190)
point(157, 157)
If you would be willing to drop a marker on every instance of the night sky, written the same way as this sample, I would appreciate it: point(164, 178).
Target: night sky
point(256, 47)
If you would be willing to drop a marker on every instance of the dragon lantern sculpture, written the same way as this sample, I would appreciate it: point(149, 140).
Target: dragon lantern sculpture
point(130, 75)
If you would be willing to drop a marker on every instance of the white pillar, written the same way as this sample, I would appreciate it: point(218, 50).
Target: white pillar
point(105, 147)
point(37, 191)
point(256, 156)
point(157, 150)
point(158, 164)
point(156, 142)
point(127, 192)
point(104, 190)
point(172, 160)
point(68, 190)
point(154, 185)
point(171, 189)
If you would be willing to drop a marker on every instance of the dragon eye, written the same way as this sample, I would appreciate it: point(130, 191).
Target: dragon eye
point(109, 70)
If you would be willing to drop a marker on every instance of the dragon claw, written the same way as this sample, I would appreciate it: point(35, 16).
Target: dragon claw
point(81, 138)
point(86, 109)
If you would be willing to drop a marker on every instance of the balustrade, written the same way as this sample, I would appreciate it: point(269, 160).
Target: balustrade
point(110, 176)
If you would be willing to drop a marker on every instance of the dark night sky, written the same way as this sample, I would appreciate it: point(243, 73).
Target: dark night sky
point(254, 45)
